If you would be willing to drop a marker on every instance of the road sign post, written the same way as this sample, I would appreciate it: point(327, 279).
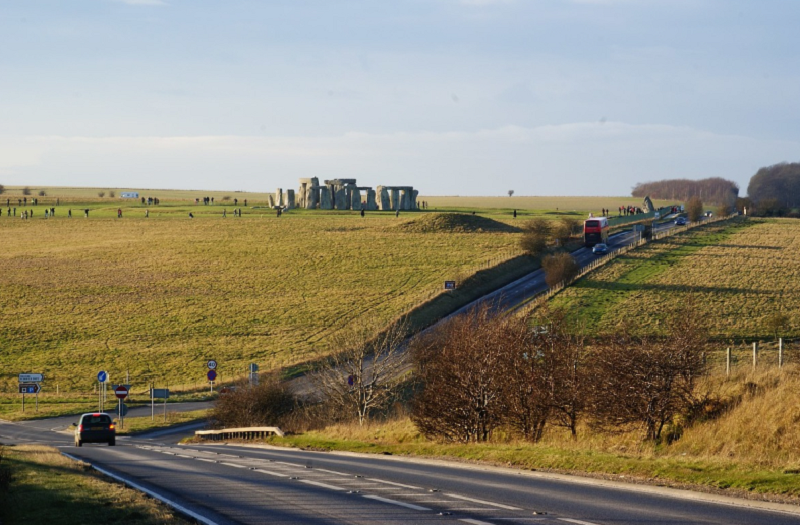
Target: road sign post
point(121, 391)
point(29, 384)
point(211, 375)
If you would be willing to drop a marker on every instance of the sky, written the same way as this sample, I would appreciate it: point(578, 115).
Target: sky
point(454, 97)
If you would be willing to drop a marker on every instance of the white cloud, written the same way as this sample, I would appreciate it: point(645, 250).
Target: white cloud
point(586, 158)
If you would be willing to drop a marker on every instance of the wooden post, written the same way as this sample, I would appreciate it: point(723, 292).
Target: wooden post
point(755, 354)
point(780, 352)
point(728, 362)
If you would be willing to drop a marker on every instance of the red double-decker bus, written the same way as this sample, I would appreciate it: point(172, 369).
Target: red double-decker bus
point(595, 231)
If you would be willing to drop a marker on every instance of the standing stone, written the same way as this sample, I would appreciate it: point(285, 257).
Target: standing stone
point(271, 201)
point(384, 202)
point(355, 199)
point(414, 197)
point(312, 198)
point(395, 195)
point(404, 200)
point(279, 197)
point(371, 204)
point(325, 202)
point(289, 199)
point(352, 188)
point(341, 199)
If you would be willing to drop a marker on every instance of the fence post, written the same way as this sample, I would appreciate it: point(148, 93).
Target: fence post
point(780, 352)
point(728, 362)
point(755, 354)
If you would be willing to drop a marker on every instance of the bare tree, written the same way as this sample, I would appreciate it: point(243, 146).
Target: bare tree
point(461, 387)
point(101, 194)
point(510, 193)
point(694, 209)
point(112, 193)
point(26, 191)
point(536, 233)
point(648, 381)
point(363, 373)
point(42, 193)
point(776, 322)
point(559, 267)
point(2, 189)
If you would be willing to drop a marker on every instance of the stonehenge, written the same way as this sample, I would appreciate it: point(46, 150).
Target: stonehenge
point(345, 194)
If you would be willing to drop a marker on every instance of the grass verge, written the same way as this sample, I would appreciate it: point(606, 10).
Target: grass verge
point(45, 487)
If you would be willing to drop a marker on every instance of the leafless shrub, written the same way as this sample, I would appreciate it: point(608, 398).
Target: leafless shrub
point(362, 375)
point(646, 382)
point(112, 193)
point(101, 194)
point(226, 197)
point(565, 229)
point(42, 193)
point(559, 267)
point(458, 364)
point(694, 209)
point(26, 191)
point(536, 233)
point(267, 404)
point(2, 189)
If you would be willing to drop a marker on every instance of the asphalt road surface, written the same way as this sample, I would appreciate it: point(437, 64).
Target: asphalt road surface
point(237, 484)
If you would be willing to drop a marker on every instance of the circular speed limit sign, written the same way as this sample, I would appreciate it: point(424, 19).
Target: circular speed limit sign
point(212, 364)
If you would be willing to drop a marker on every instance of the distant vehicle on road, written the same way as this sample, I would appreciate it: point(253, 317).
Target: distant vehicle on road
point(680, 221)
point(95, 428)
point(709, 214)
point(600, 248)
point(595, 231)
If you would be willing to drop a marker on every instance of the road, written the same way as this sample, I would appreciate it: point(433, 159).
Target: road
point(237, 484)
point(228, 484)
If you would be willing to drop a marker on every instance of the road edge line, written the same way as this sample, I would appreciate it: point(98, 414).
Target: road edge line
point(155, 495)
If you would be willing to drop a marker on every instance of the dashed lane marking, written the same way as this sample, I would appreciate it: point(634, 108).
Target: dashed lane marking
point(276, 474)
point(395, 484)
point(475, 522)
point(395, 502)
point(484, 502)
point(577, 522)
point(232, 464)
point(318, 484)
point(331, 472)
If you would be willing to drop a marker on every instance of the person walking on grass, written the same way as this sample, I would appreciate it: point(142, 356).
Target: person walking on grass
point(119, 213)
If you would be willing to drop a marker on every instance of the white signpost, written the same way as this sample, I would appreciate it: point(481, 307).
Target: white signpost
point(31, 378)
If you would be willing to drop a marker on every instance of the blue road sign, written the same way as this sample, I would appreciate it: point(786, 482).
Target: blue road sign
point(29, 388)
point(102, 376)
point(212, 375)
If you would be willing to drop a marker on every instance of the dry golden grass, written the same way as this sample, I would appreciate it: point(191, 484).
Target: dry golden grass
point(160, 296)
point(550, 204)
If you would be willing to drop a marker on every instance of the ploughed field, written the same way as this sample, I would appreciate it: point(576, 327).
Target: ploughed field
point(739, 274)
point(160, 296)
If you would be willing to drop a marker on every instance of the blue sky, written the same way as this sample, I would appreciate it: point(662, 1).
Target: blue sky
point(469, 97)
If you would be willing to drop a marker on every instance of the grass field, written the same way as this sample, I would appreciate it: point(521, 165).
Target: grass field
point(159, 297)
point(47, 488)
point(739, 274)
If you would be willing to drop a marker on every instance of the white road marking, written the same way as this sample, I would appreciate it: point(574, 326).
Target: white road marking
point(232, 465)
point(475, 522)
point(277, 475)
point(206, 460)
point(318, 484)
point(577, 522)
point(398, 503)
point(331, 472)
point(395, 484)
point(498, 505)
point(184, 456)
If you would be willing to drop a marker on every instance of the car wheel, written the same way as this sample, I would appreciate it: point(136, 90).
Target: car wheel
point(79, 443)
point(112, 442)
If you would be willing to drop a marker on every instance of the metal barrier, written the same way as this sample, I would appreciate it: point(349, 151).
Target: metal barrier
point(238, 433)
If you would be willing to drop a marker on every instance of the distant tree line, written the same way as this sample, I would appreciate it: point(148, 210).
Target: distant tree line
point(774, 191)
point(713, 190)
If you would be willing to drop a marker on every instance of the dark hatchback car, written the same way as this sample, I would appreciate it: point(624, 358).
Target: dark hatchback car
point(95, 428)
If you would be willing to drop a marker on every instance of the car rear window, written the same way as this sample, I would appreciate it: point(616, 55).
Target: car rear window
point(593, 224)
point(95, 420)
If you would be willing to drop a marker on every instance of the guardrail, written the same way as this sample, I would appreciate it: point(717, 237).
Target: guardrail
point(238, 433)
